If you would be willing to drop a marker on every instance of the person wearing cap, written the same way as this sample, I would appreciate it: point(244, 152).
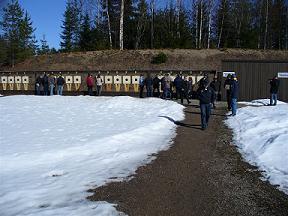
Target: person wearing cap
point(274, 86)
point(227, 86)
point(234, 94)
point(206, 97)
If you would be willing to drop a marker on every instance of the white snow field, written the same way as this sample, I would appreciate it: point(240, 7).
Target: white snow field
point(53, 149)
point(261, 133)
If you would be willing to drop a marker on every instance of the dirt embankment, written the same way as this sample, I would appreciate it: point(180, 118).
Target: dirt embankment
point(178, 59)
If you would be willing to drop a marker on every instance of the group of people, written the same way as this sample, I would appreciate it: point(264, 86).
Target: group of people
point(209, 92)
point(91, 82)
point(49, 85)
point(180, 87)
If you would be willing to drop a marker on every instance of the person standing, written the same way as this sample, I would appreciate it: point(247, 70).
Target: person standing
point(51, 84)
point(45, 84)
point(204, 81)
point(178, 83)
point(141, 85)
point(215, 85)
point(234, 94)
point(99, 83)
point(184, 91)
point(90, 84)
point(60, 84)
point(206, 96)
point(274, 87)
point(149, 84)
point(38, 85)
point(227, 86)
point(167, 86)
point(156, 86)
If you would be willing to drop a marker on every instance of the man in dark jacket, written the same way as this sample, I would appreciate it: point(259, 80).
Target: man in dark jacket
point(215, 85)
point(60, 84)
point(227, 86)
point(46, 84)
point(234, 94)
point(149, 84)
point(178, 85)
point(184, 90)
point(156, 86)
point(206, 96)
point(274, 87)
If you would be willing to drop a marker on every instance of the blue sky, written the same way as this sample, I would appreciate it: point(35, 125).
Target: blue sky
point(47, 18)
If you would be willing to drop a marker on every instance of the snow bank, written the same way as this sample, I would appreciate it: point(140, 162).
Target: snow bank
point(261, 133)
point(53, 149)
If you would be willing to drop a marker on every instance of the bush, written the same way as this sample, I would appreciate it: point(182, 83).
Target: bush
point(159, 59)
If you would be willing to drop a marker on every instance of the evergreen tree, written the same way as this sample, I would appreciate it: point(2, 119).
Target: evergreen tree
point(68, 27)
point(44, 46)
point(85, 35)
point(18, 33)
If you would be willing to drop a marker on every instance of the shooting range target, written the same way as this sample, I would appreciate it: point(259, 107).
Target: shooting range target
point(117, 83)
point(77, 82)
point(11, 81)
point(4, 81)
point(69, 81)
point(127, 82)
point(25, 81)
point(135, 82)
point(18, 81)
point(108, 83)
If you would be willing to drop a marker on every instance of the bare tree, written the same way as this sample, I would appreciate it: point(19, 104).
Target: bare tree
point(153, 8)
point(121, 42)
point(266, 24)
point(109, 24)
point(201, 24)
point(178, 8)
point(222, 24)
point(211, 5)
point(196, 23)
point(141, 22)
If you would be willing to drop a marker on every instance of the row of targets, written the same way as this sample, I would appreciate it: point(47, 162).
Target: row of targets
point(111, 83)
point(14, 82)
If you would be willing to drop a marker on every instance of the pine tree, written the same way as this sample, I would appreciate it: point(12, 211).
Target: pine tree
point(44, 46)
point(18, 33)
point(142, 23)
point(85, 34)
point(68, 29)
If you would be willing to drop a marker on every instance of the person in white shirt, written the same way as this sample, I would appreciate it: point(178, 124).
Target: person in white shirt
point(99, 83)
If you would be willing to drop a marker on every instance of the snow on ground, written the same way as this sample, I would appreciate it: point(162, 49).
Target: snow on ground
point(53, 149)
point(261, 133)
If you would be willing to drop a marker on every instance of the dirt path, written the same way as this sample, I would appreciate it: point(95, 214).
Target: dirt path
point(202, 174)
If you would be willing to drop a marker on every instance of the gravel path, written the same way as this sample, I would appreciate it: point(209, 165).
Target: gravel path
point(201, 174)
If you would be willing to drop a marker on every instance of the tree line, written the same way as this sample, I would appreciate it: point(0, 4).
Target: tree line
point(147, 24)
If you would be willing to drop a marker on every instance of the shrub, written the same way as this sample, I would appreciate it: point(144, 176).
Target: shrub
point(159, 58)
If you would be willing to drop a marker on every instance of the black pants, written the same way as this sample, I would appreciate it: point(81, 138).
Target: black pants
point(90, 90)
point(184, 94)
point(141, 91)
point(158, 91)
point(178, 93)
point(228, 95)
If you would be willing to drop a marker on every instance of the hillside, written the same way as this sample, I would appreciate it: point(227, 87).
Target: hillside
point(178, 59)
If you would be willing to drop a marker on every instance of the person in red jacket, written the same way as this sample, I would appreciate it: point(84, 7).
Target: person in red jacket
point(90, 84)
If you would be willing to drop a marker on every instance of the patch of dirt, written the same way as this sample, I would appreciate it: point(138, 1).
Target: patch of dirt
point(201, 174)
point(178, 59)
